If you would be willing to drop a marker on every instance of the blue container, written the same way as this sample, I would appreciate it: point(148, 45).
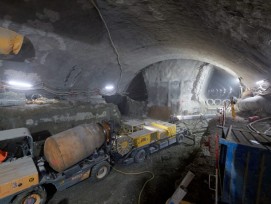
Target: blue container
point(245, 167)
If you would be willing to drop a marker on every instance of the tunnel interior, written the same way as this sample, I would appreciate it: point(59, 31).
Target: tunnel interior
point(184, 86)
point(222, 85)
point(111, 89)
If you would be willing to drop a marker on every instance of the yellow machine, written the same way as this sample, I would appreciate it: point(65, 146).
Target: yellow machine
point(161, 133)
point(130, 126)
point(141, 139)
point(168, 127)
point(142, 135)
point(18, 175)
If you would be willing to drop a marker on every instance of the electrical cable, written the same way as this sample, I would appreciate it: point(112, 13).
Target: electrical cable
point(137, 173)
point(111, 41)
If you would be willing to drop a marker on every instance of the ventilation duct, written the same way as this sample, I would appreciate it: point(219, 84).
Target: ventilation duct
point(10, 42)
point(254, 104)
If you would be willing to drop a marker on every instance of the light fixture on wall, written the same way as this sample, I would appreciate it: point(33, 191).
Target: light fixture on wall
point(260, 82)
point(108, 90)
point(109, 87)
point(19, 84)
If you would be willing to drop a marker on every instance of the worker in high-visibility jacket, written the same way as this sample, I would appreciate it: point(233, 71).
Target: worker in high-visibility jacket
point(233, 113)
point(10, 42)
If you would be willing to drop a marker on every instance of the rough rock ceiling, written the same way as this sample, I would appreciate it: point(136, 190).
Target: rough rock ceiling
point(68, 46)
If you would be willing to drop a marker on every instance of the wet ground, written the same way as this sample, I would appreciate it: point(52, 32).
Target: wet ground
point(169, 167)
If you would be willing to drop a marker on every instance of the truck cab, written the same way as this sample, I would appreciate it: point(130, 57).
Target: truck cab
point(17, 168)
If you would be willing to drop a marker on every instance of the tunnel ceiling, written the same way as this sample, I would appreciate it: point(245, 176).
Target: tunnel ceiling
point(67, 45)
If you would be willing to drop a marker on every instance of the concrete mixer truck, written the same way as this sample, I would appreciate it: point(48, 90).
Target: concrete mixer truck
point(69, 157)
point(83, 152)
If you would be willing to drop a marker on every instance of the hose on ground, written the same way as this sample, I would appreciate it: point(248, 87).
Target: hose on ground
point(137, 173)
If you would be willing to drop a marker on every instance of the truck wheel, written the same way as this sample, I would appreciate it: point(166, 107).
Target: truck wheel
point(179, 138)
point(36, 196)
point(100, 171)
point(140, 156)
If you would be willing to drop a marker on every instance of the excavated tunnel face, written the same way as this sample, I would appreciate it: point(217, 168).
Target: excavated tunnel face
point(184, 86)
point(222, 85)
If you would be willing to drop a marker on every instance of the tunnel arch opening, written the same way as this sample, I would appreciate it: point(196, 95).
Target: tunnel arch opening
point(184, 86)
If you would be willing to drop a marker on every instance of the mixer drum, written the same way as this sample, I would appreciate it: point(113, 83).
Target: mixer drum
point(67, 148)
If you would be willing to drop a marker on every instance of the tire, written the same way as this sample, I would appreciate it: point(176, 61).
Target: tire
point(140, 156)
point(35, 196)
point(100, 171)
point(179, 138)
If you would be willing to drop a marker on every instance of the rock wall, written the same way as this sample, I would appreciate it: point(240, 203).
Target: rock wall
point(56, 117)
point(177, 84)
point(128, 106)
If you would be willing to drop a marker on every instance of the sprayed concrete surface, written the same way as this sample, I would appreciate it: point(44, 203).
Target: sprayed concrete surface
point(169, 83)
point(69, 48)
